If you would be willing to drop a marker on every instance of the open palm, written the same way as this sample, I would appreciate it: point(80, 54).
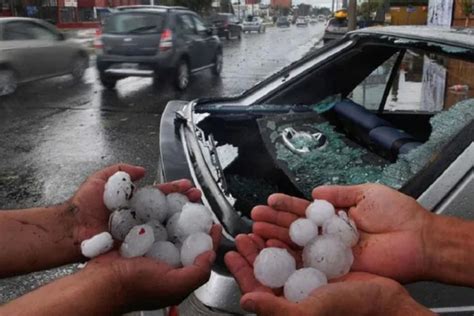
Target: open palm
point(390, 225)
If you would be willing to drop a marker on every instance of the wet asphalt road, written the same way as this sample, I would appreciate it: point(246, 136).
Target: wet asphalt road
point(56, 132)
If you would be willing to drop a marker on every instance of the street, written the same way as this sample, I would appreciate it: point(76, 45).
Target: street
point(57, 132)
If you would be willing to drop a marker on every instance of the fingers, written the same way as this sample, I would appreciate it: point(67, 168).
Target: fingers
point(259, 242)
point(287, 203)
point(191, 277)
point(216, 234)
point(340, 196)
point(267, 214)
point(270, 231)
point(247, 248)
point(243, 273)
point(264, 303)
point(135, 172)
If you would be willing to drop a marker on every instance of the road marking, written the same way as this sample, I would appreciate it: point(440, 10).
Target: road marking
point(453, 309)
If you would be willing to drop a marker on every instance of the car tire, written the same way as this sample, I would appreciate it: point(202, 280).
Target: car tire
point(227, 35)
point(107, 81)
point(8, 82)
point(239, 34)
point(218, 63)
point(182, 75)
point(79, 67)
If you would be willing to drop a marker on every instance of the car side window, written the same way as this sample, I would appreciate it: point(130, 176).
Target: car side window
point(186, 24)
point(23, 31)
point(200, 27)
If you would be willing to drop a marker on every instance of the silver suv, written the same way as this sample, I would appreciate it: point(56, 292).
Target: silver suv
point(156, 41)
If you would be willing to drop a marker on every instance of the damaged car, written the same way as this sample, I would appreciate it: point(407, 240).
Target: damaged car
point(390, 105)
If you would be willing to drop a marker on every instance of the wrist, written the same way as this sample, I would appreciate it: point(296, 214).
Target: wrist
point(448, 250)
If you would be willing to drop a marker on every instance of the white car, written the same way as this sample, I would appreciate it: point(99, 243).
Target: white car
point(253, 24)
point(301, 21)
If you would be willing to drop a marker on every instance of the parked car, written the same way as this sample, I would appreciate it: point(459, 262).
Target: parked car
point(164, 42)
point(226, 25)
point(282, 21)
point(32, 49)
point(253, 24)
point(376, 106)
point(313, 20)
point(336, 28)
point(321, 18)
point(301, 21)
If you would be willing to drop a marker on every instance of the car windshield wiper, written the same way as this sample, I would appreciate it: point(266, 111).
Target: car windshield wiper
point(143, 28)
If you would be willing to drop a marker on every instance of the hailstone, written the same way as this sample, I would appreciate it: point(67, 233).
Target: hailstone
point(165, 251)
point(97, 245)
point(171, 228)
point(149, 203)
point(159, 231)
point(194, 218)
point(319, 211)
point(302, 282)
point(118, 191)
point(176, 202)
point(273, 266)
point(193, 246)
point(343, 227)
point(137, 242)
point(121, 221)
point(328, 254)
point(303, 231)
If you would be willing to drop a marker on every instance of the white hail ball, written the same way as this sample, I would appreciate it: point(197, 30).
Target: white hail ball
point(273, 266)
point(319, 211)
point(193, 219)
point(193, 246)
point(303, 231)
point(176, 202)
point(121, 221)
point(328, 254)
point(137, 242)
point(118, 191)
point(165, 251)
point(343, 227)
point(97, 245)
point(149, 203)
point(302, 282)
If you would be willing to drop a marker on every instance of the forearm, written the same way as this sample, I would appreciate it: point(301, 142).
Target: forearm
point(36, 239)
point(449, 244)
point(85, 293)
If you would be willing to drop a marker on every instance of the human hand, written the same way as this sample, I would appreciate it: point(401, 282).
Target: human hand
point(90, 214)
point(354, 294)
point(146, 283)
point(391, 227)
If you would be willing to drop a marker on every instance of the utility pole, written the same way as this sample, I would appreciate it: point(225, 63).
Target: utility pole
point(352, 15)
point(332, 9)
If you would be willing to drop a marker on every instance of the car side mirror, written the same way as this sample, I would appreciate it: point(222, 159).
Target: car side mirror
point(62, 37)
point(209, 31)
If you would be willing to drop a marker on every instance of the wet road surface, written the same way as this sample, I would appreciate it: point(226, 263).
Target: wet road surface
point(56, 132)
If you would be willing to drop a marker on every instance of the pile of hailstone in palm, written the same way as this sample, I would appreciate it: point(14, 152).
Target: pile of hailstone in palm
point(149, 223)
point(327, 239)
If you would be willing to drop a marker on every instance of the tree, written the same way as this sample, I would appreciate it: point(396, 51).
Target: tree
point(366, 9)
point(466, 6)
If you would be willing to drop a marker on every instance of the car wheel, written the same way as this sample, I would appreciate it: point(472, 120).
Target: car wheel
point(227, 35)
point(107, 81)
point(264, 29)
point(79, 66)
point(8, 82)
point(182, 75)
point(239, 34)
point(218, 63)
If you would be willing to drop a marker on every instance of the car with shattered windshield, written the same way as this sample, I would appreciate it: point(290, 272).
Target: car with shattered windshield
point(388, 105)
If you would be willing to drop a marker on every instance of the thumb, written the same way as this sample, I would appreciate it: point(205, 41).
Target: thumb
point(265, 304)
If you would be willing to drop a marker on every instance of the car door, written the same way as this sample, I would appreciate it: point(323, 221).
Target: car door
point(33, 50)
point(193, 42)
point(208, 43)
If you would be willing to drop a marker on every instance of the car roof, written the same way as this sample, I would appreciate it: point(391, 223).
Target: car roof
point(148, 8)
point(443, 35)
point(10, 19)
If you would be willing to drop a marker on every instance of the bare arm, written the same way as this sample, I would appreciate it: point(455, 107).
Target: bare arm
point(449, 244)
point(37, 239)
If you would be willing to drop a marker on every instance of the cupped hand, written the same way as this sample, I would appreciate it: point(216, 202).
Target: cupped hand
point(147, 283)
point(90, 214)
point(391, 227)
point(354, 294)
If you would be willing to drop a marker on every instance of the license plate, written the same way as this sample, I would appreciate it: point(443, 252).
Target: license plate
point(129, 66)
